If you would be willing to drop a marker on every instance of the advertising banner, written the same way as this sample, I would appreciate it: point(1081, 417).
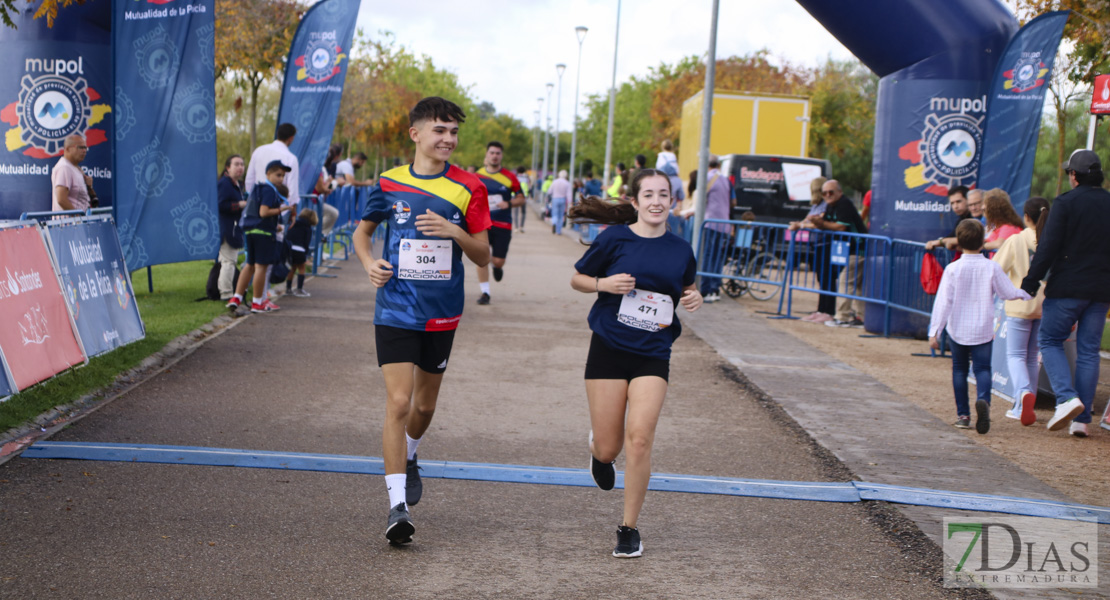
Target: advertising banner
point(1014, 107)
point(54, 82)
point(164, 64)
point(36, 334)
point(314, 76)
point(1100, 101)
point(96, 283)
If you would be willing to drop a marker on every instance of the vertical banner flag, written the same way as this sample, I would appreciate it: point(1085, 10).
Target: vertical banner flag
point(1100, 101)
point(1014, 107)
point(314, 76)
point(164, 65)
point(95, 282)
point(54, 82)
point(36, 332)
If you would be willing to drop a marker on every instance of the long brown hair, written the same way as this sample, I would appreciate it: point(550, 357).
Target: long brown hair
point(602, 212)
point(999, 211)
point(1037, 209)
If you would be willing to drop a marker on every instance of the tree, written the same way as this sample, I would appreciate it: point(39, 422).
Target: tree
point(1088, 28)
point(252, 40)
point(48, 9)
point(842, 120)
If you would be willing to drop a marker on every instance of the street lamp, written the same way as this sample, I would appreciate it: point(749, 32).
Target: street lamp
point(559, 68)
point(612, 100)
point(547, 133)
point(580, 31)
point(535, 139)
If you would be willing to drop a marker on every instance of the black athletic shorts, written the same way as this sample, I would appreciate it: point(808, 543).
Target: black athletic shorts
point(297, 258)
point(604, 362)
point(499, 239)
point(428, 350)
point(261, 249)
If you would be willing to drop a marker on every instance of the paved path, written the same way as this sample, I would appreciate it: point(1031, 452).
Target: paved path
point(305, 380)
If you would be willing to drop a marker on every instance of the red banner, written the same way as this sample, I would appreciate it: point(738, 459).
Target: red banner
point(1100, 102)
point(36, 334)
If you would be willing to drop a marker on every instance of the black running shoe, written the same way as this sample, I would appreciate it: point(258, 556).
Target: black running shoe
point(628, 543)
point(483, 299)
point(604, 475)
point(400, 529)
point(414, 488)
point(498, 273)
point(982, 416)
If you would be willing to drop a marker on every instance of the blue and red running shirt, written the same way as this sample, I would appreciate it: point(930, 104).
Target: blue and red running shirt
point(501, 186)
point(401, 195)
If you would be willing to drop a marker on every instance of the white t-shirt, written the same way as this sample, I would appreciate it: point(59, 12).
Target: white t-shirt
point(262, 156)
point(345, 168)
point(68, 175)
point(666, 157)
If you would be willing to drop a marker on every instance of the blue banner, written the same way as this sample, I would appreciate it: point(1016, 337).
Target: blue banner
point(1014, 106)
point(165, 114)
point(314, 76)
point(95, 283)
point(54, 82)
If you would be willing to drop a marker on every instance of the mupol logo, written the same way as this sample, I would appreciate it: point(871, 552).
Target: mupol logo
point(947, 154)
point(197, 229)
point(1027, 74)
point(158, 58)
point(321, 59)
point(401, 212)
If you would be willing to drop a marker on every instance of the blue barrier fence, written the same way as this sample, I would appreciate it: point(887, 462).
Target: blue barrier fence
point(768, 259)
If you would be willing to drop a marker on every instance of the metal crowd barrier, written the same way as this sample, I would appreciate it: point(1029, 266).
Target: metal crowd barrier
point(752, 258)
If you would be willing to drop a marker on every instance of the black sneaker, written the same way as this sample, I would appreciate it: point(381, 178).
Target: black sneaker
point(604, 475)
point(982, 416)
point(498, 273)
point(483, 299)
point(628, 543)
point(400, 529)
point(962, 423)
point(414, 488)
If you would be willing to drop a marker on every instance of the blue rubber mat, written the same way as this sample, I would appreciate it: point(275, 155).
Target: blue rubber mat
point(854, 491)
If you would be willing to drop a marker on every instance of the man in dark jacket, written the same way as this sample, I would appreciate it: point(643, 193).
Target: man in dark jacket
point(1074, 254)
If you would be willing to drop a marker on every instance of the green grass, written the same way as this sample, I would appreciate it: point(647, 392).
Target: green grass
point(167, 313)
point(1106, 336)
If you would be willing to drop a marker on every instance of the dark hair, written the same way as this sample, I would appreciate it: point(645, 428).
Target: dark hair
point(714, 162)
point(641, 159)
point(589, 174)
point(999, 210)
point(286, 131)
point(521, 169)
point(603, 212)
point(959, 189)
point(333, 153)
point(439, 109)
point(693, 185)
point(969, 235)
point(1037, 209)
point(495, 144)
point(620, 167)
point(227, 163)
point(1092, 178)
point(360, 155)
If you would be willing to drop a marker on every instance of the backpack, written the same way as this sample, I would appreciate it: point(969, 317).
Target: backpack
point(931, 272)
point(212, 288)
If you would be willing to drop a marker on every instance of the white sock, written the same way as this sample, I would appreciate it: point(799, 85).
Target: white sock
point(256, 300)
point(412, 444)
point(238, 297)
point(396, 486)
point(484, 286)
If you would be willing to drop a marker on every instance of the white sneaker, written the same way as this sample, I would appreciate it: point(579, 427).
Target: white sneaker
point(1079, 430)
point(1015, 412)
point(1065, 412)
point(711, 298)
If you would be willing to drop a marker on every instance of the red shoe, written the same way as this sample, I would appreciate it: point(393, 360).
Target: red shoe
point(1028, 417)
point(270, 306)
point(233, 303)
point(259, 308)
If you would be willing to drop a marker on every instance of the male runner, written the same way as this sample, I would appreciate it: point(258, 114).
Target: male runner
point(434, 212)
point(504, 194)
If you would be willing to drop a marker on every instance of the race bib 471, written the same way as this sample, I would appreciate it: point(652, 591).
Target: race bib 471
point(650, 311)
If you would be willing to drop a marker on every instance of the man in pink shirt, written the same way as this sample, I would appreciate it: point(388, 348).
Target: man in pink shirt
point(561, 198)
point(965, 308)
point(71, 186)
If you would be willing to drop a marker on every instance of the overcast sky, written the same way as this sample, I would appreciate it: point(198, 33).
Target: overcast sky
point(508, 50)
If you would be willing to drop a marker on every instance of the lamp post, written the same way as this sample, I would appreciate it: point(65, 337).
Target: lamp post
point(559, 68)
point(579, 31)
point(546, 135)
point(535, 140)
point(612, 101)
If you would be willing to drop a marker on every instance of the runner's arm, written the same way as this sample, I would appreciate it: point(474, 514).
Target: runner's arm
point(379, 269)
point(622, 283)
point(474, 245)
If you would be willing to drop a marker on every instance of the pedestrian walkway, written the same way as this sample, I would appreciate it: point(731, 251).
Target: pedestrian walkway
point(305, 380)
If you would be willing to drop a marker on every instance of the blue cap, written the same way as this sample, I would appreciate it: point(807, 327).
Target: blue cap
point(277, 164)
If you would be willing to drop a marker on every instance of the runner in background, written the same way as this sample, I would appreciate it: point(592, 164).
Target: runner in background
point(639, 272)
point(504, 193)
point(435, 213)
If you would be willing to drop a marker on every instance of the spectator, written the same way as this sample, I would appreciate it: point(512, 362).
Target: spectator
point(841, 215)
point(268, 153)
point(1002, 220)
point(560, 193)
point(638, 162)
point(817, 208)
point(975, 205)
point(957, 201)
point(299, 239)
point(520, 213)
point(718, 205)
point(666, 157)
point(229, 197)
point(260, 224)
point(1075, 248)
point(675, 223)
point(1023, 317)
point(964, 307)
point(71, 187)
point(614, 190)
point(345, 172)
point(592, 186)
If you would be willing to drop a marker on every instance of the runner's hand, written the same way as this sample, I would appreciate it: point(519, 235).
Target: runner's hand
point(503, 205)
point(690, 300)
point(934, 344)
point(435, 225)
point(380, 272)
point(617, 284)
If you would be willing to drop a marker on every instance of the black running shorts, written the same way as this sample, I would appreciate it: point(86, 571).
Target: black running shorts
point(499, 239)
point(428, 350)
point(261, 249)
point(604, 362)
